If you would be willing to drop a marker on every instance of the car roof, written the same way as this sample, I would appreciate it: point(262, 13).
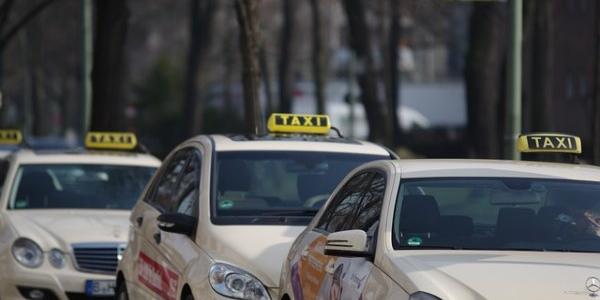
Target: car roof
point(296, 143)
point(27, 156)
point(431, 168)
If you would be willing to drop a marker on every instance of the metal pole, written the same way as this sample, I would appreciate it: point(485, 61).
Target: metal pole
point(513, 112)
point(87, 63)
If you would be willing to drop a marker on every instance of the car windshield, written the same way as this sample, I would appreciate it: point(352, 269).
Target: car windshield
point(72, 186)
point(267, 187)
point(498, 214)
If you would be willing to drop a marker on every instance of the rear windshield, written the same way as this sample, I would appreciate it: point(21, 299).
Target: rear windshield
point(498, 214)
point(86, 186)
point(276, 186)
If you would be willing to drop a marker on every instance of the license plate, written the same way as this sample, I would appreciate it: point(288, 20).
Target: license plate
point(100, 287)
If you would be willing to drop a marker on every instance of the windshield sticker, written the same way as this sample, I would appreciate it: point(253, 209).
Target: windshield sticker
point(414, 241)
point(157, 278)
point(21, 204)
point(311, 270)
point(225, 204)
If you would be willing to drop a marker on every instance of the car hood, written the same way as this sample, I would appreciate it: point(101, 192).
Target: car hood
point(61, 228)
point(495, 274)
point(260, 250)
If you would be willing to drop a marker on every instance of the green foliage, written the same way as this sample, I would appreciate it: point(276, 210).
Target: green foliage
point(214, 121)
point(160, 120)
point(159, 107)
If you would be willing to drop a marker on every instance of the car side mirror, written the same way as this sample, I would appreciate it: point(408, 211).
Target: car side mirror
point(348, 243)
point(177, 223)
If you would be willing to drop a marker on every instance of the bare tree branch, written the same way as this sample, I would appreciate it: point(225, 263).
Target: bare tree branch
point(23, 21)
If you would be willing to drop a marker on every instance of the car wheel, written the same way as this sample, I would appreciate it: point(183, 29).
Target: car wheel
point(121, 292)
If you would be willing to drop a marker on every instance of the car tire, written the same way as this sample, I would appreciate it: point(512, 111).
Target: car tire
point(121, 292)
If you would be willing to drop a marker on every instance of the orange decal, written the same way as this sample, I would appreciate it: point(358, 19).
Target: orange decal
point(312, 268)
point(157, 278)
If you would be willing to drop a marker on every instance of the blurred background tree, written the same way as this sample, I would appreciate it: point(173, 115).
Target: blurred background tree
point(172, 69)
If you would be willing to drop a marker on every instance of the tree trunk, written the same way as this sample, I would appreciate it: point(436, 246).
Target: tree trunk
point(6, 34)
point(247, 17)
point(543, 66)
point(394, 78)
point(367, 75)
point(108, 72)
point(596, 116)
point(286, 61)
point(484, 67)
point(200, 29)
point(319, 56)
point(39, 106)
point(266, 79)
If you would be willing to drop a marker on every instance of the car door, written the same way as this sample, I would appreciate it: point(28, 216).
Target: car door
point(177, 250)
point(352, 275)
point(153, 277)
point(315, 275)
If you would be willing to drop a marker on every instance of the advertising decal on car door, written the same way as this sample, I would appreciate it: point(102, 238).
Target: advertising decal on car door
point(316, 276)
point(157, 278)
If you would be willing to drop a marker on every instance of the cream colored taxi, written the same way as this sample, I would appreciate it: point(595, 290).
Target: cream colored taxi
point(64, 217)
point(455, 229)
point(218, 219)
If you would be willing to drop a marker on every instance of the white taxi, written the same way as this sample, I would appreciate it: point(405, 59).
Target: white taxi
point(220, 215)
point(455, 229)
point(64, 217)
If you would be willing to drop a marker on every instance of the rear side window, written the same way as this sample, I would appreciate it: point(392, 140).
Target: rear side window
point(185, 198)
point(167, 183)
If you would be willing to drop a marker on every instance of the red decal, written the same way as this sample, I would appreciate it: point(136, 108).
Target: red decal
point(157, 278)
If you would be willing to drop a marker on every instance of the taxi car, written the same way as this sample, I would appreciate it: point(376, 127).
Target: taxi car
point(220, 215)
point(455, 229)
point(64, 217)
point(9, 141)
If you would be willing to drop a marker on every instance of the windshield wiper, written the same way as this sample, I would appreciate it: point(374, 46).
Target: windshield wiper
point(290, 212)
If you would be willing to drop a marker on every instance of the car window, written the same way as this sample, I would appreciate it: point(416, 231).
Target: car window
point(86, 186)
point(340, 214)
point(370, 205)
point(187, 192)
point(269, 187)
point(166, 188)
point(498, 214)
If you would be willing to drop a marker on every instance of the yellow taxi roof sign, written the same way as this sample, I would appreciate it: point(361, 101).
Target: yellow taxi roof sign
point(10, 137)
point(549, 143)
point(299, 123)
point(111, 140)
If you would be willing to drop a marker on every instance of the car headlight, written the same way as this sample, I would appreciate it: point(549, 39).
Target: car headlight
point(423, 296)
point(27, 253)
point(56, 258)
point(233, 282)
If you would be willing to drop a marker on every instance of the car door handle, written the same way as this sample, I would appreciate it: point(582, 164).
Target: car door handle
point(157, 237)
point(139, 221)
